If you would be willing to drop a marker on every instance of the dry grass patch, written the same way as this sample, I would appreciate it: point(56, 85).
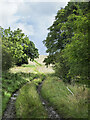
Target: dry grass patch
point(37, 66)
point(22, 69)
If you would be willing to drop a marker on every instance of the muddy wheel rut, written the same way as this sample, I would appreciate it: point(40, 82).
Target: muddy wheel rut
point(10, 111)
point(52, 114)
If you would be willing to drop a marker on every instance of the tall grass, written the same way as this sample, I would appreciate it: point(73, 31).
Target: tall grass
point(67, 105)
point(12, 82)
point(28, 104)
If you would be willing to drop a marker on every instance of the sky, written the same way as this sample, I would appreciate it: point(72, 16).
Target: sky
point(34, 17)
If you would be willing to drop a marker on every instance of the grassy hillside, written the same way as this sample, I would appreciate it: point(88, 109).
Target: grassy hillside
point(37, 66)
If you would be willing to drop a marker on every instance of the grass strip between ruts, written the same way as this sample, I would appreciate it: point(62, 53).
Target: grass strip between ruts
point(28, 104)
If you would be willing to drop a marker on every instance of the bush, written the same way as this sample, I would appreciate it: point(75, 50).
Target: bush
point(61, 69)
point(7, 60)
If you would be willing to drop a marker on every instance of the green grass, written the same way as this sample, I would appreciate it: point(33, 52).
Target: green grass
point(12, 82)
point(37, 63)
point(28, 65)
point(0, 102)
point(67, 105)
point(28, 104)
point(5, 99)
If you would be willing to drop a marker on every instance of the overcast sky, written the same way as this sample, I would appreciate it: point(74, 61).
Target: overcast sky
point(32, 17)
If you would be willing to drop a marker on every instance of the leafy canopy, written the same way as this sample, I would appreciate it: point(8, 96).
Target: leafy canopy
point(67, 41)
point(18, 45)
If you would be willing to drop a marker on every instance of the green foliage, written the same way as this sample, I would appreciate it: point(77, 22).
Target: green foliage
point(7, 60)
point(67, 42)
point(76, 52)
point(19, 45)
point(61, 68)
point(29, 105)
point(49, 60)
point(14, 81)
point(68, 106)
point(10, 83)
point(27, 65)
point(77, 56)
point(37, 63)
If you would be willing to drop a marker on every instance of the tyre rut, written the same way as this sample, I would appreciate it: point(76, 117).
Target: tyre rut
point(52, 114)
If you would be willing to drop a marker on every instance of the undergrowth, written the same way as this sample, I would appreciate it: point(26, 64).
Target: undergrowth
point(66, 104)
point(12, 82)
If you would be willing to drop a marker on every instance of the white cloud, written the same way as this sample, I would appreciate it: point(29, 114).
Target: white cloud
point(27, 29)
point(7, 11)
point(36, 0)
point(32, 18)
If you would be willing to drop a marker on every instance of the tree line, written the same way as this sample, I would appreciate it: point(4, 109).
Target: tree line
point(16, 48)
point(67, 42)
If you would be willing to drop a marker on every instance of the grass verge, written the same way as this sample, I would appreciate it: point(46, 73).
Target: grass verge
point(67, 105)
point(12, 82)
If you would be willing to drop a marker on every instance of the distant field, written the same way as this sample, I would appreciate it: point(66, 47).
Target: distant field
point(34, 67)
point(39, 60)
